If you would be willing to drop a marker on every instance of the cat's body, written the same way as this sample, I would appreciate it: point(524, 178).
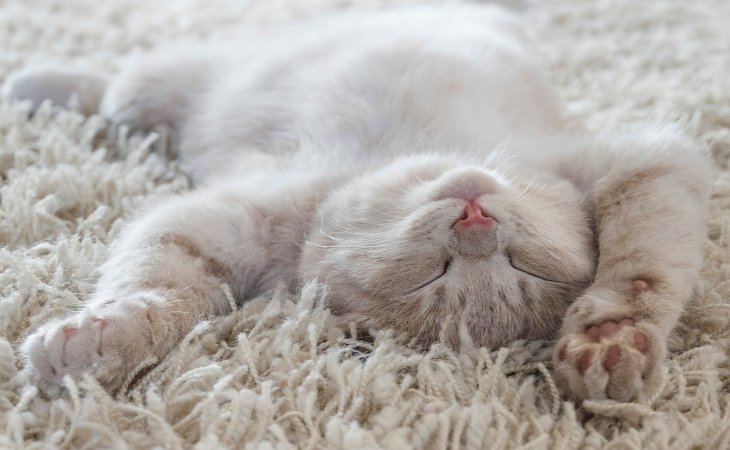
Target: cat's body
point(416, 163)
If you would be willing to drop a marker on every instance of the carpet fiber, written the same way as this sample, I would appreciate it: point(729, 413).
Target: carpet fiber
point(276, 373)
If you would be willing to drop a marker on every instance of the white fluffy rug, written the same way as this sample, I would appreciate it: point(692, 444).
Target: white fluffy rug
point(277, 374)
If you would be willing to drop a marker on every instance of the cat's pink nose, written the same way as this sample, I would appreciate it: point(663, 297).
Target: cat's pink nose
point(474, 218)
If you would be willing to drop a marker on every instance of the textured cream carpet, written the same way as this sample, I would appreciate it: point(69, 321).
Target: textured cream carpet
point(276, 374)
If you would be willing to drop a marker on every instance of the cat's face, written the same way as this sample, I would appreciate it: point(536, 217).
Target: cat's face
point(425, 238)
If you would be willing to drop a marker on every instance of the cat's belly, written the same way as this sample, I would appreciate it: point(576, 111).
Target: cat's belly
point(383, 84)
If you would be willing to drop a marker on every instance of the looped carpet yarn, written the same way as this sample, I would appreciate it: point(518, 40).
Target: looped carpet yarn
point(276, 373)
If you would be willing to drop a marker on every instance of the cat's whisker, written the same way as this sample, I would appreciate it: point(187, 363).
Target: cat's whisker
point(522, 194)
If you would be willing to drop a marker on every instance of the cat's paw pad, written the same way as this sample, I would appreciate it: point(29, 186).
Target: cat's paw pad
point(69, 347)
point(79, 344)
point(609, 360)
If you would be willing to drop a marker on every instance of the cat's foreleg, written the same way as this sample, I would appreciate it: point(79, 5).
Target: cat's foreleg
point(167, 273)
point(650, 220)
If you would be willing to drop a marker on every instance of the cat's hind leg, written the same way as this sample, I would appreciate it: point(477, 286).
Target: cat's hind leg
point(151, 89)
point(76, 90)
point(157, 88)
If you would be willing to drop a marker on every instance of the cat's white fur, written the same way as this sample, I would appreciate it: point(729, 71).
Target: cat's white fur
point(346, 150)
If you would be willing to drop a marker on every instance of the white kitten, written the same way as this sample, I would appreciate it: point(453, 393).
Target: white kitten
point(416, 162)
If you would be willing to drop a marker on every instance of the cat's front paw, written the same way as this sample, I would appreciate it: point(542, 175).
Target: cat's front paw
point(106, 346)
point(612, 359)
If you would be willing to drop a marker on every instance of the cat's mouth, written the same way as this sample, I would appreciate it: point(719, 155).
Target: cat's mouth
point(467, 183)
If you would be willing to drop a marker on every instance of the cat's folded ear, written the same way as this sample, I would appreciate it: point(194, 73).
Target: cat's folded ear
point(74, 90)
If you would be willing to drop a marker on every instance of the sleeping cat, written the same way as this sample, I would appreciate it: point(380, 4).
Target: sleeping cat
point(414, 161)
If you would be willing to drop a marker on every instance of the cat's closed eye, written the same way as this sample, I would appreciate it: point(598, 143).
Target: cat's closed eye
point(531, 270)
point(441, 274)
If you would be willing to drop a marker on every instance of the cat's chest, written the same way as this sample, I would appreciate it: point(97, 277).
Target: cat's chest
point(394, 94)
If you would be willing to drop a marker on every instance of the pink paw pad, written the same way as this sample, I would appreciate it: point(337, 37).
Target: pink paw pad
point(641, 342)
point(101, 321)
point(640, 285)
point(596, 334)
point(613, 355)
point(585, 361)
point(70, 331)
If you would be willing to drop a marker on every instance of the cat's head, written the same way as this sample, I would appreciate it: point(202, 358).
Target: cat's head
point(428, 237)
